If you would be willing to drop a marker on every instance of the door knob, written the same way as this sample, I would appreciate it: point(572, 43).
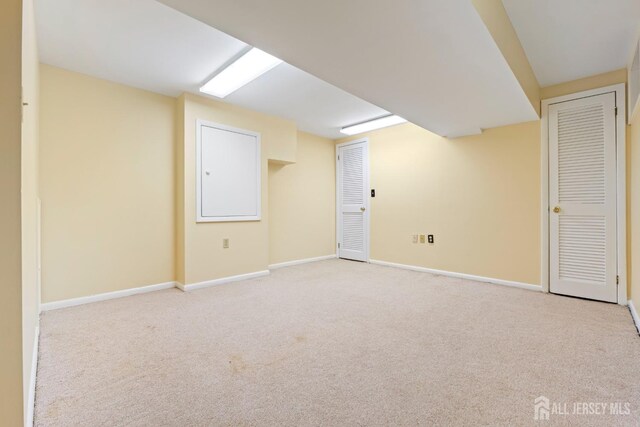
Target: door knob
point(362, 209)
point(556, 209)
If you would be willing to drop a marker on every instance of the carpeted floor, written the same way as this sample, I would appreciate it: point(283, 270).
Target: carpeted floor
point(336, 343)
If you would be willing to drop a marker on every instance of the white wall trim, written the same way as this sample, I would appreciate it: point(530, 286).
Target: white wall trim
point(28, 420)
point(621, 174)
point(634, 315)
point(544, 196)
point(300, 261)
point(105, 296)
point(502, 282)
point(221, 281)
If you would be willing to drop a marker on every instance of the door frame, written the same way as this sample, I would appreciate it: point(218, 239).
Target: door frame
point(621, 193)
point(367, 217)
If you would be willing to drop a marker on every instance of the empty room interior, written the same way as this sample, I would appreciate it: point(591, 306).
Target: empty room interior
point(247, 213)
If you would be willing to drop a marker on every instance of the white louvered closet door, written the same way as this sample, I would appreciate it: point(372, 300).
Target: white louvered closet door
point(582, 198)
point(353, 207)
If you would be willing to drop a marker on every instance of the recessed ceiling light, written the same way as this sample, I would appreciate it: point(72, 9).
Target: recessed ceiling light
point(245, 69)
point(381, 122)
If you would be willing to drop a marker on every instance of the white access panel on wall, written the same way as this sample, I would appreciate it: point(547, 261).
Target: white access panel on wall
point(228, 173)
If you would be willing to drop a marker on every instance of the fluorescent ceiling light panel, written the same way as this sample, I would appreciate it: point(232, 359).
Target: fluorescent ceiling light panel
point(245, 69)
point(374, 124)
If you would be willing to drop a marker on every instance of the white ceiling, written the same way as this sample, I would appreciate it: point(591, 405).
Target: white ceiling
point(145, 44)
point(432, 62)
point(570, 39)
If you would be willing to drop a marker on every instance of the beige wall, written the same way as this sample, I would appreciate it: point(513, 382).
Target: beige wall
point(30, 195)
point(107, 185)
point(587, 83)
point(204, 257)
point(302, 207)
point(11, 401)
point(96, 235)
point(479, 196)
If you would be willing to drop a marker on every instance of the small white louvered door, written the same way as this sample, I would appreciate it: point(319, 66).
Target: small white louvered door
point(352, 170)
point(582, 198)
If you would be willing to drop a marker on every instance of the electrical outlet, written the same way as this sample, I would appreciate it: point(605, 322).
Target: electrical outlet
point(415, 238)
point(225, 243)
point(430, 238)
point(422, 238)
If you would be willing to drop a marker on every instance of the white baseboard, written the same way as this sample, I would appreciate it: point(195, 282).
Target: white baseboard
point(300, 261)
point(105, 296)
point(221, 281)
point(461, 275)
point(28, 420)
point(634, 314)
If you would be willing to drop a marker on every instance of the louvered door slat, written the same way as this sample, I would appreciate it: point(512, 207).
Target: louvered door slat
point(353, 236)
point(352, 176)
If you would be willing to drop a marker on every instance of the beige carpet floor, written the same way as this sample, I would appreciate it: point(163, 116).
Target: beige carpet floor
point(336, 343)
